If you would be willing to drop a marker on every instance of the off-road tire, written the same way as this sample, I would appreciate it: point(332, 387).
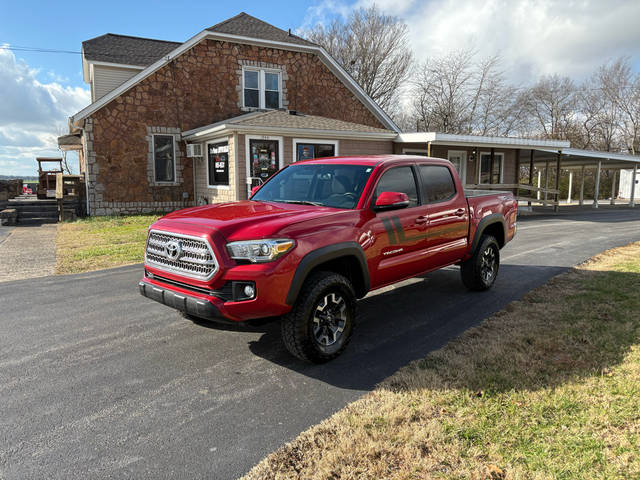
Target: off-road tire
point(474, 271)
point(297, 326)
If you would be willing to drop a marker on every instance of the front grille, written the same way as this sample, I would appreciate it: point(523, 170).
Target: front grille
point(195, 258)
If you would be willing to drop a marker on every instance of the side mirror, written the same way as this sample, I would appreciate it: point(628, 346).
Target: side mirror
point(255, 189)
point(391, 201)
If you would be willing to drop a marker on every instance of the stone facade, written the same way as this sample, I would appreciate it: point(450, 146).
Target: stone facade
point(198, 88)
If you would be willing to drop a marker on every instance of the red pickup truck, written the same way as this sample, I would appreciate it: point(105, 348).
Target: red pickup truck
point(320, 234)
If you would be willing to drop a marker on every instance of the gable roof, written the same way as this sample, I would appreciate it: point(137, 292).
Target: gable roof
point(291, 122)
point(254, 27)
point(126, 50)
point(245, 25)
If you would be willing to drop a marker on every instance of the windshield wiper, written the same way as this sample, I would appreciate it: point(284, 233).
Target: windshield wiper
point(300, 202)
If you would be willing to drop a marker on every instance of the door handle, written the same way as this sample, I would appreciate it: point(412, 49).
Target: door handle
point(422, 219)
point(459, 212)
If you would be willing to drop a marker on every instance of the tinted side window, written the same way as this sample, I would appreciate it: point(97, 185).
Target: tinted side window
point(437, 183)
point(399, 179)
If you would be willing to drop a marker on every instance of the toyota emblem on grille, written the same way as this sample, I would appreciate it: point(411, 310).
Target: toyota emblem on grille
point(173, 250)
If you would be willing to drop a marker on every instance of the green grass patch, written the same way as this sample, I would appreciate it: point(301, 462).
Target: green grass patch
point(547, 389)
point(101, 242)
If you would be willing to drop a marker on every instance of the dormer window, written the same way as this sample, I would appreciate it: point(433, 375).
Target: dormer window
point(262, 88)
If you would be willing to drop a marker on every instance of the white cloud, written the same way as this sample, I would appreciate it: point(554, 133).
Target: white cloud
point(32, 115)
point(533, 37)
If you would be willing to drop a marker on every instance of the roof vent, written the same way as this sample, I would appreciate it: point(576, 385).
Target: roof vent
point(290, 32)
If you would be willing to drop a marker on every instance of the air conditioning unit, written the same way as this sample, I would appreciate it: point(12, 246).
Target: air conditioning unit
point(194, 150)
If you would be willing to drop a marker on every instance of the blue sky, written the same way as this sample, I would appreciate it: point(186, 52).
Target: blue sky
point(38, 91)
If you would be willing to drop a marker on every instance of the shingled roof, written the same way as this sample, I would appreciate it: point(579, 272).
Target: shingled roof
point(126, 50)
point(289, 120)
point(245, 25)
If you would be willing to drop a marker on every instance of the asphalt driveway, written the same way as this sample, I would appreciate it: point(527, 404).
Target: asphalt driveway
point(97, 381)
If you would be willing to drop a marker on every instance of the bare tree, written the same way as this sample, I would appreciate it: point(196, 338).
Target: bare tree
point(455, 94)
point(373, 48)
point(551, 103)
point(622, 86)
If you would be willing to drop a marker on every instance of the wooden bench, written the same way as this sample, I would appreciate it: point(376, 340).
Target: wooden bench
point(8, 216)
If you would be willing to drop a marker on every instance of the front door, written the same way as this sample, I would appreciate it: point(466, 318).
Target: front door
point(459, 160)
point(263, 160)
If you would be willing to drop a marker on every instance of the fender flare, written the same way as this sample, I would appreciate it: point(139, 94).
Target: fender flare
point(482, 226)
point(325, 254)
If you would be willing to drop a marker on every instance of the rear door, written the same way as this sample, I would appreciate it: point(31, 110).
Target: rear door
point(448, 215)
point(400, 235)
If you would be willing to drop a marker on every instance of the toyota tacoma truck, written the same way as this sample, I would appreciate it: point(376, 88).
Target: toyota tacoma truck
point(320, 234)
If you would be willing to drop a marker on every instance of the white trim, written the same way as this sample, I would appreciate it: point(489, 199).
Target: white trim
point(496, 154)
point(206, 162)
point(262, 86)
point(115, 65)
point(321, 141)
point(349, 82)
point(247, 152)
point(478, 140)
point(175, 159)
point(463, 163)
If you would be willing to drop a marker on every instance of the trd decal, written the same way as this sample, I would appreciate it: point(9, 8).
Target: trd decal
point(396, 235)
point(395, 232)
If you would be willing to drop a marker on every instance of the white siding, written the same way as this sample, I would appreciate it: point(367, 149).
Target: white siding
point(106, 79)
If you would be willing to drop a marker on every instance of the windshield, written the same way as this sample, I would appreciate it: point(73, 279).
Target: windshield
point(327, 185)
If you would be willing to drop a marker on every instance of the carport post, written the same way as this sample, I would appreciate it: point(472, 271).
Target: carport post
point(613, 188)
point(632, 201)
point(546, 180)
point(596, 192)
point(582, 187)
point(556, 196)
point(531, 174)
point(539, 180)
point(570, 186)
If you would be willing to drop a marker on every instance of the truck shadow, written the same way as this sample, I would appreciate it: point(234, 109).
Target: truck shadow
point(408, 322)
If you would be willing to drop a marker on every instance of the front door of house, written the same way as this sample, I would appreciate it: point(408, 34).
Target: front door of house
point(459, 160)
point(263, 160)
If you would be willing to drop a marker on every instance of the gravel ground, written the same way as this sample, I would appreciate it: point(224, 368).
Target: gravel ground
point(27, 252)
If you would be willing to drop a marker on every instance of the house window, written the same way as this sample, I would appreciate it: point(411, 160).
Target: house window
point(485, 168)
point(262, 88)
point(218, 163)
point(164, 158)
point(306, 150)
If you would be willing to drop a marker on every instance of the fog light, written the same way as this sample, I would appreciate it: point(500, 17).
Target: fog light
point(249, 291)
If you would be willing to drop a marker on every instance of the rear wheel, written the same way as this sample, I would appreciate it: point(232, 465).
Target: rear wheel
point(319, 326)
point(480, 271)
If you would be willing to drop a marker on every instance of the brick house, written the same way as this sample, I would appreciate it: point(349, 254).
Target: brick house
point(250, 97)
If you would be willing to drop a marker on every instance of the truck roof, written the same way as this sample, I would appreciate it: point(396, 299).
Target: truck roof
point(368, 160)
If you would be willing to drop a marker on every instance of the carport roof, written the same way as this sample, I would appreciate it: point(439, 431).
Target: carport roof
point(480, 140)
point(592, 154)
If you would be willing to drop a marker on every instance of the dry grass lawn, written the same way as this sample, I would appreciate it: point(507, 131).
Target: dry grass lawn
point(547, 389)
point(94, 243)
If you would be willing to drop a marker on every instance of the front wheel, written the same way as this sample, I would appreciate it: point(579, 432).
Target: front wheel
point(480, 271)
point(319, 326)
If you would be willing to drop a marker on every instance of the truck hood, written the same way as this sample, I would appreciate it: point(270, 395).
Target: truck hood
point(246, 219)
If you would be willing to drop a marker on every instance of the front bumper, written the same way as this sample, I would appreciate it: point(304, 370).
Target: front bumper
point(185, 303)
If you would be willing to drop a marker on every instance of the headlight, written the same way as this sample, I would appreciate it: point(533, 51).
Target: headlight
point(259, 251)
